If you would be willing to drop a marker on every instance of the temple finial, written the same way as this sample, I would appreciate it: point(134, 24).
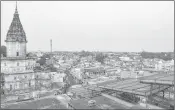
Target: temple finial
point(16, 7)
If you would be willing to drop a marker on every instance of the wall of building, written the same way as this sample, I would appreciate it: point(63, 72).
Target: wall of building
point(57, 77)
point(18, 74)
point(17, 66)
point(19, 81)
point(14, 47)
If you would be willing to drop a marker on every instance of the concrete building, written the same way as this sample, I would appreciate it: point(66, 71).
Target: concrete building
point(17, 68)
point(125, 58)
point(159, 65)
point(77, 73)
point(58, 77)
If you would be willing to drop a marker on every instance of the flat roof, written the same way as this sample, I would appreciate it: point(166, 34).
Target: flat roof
point(17, 58)
point(134, 86)
point(163, 79)
point(107, 82)
point(47, 103)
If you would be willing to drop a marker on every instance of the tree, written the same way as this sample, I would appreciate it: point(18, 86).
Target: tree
point(85, 53)
point(30, 54)
point(163, 55)
point(42, 61)
point(3, 50)
point(2, 82)
point(100, 58)
point(52, 68)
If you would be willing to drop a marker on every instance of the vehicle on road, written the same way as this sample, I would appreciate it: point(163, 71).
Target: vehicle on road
point(91, 103)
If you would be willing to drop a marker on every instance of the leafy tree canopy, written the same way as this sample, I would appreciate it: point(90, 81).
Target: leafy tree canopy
point(100, 57)
point(3, 50)
point(161, 55)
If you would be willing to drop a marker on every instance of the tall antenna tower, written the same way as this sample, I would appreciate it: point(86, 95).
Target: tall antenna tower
point(51, 45)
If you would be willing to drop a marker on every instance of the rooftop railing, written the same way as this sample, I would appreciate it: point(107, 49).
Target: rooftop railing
point(14, 58)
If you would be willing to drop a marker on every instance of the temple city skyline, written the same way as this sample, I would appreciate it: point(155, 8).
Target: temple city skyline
point(94, 26)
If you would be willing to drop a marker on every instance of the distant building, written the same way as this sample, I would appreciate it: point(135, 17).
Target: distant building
point(159, 65)
point(125, 58)
point(77, 73)
point(166, 65)
point(39, 54)
point(94, 71)
point(58, 77)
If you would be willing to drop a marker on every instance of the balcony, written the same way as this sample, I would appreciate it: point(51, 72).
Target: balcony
point(19, 80)
point(19, 91)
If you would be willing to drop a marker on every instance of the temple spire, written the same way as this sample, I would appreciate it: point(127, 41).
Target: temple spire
point(16, 10)
point(16, 32)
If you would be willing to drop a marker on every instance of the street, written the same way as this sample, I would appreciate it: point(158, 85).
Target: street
point(69, 80)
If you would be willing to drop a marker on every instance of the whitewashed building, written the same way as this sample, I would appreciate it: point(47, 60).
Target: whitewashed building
point(58, 77)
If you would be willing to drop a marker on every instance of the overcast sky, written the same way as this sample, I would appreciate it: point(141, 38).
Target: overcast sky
point(93, 25)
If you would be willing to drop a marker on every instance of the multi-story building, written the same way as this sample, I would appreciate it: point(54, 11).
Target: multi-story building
point(16, 67)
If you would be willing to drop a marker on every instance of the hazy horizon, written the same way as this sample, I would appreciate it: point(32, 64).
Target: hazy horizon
point(116, 26)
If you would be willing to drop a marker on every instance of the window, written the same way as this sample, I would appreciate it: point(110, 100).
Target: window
point(10, 87)
point(29, 83)
point(15, 86)
point(15, 78)
point(17, 53)
point(2, 84)
point(17, 64)
point(25, 76)
point(4, 64)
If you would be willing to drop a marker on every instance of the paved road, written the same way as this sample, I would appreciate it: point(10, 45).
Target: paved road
point(70, 78)
point(83, 103)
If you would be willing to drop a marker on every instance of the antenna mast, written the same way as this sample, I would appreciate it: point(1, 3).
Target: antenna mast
point(51, 45)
